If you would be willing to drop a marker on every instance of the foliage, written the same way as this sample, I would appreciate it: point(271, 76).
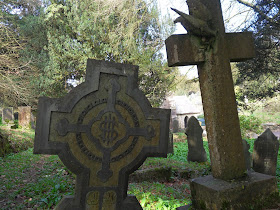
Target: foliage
point(119, 31)
point(160, 195)
point(259, 77)
point(184, 85)
point(15, 73)
point(15, 141)
point(45, 45)
point(30, 183)
point(249, 124)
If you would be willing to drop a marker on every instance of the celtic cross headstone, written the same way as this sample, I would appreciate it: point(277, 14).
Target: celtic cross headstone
point(102, 130)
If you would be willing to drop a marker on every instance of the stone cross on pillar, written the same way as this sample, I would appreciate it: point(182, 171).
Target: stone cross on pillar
point(102, 130)
point(211, 49)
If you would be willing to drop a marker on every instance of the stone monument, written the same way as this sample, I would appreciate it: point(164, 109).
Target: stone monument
point(196, 151)
point(265, 153)
point(24, 116)
point(7, 115)
point(102, 130)
point(211, 49)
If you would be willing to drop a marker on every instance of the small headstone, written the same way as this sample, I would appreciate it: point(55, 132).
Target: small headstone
point(102, 130)
point(175, 125)
point(247, 154)
point(33, 120)
point(170, 144)
point(24, 116)
point(7, 115)
point(265, 153)
point(196, 151)
point(16, 116)
point(186, 121)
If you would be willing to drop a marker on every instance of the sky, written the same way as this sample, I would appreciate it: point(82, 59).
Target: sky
point(234, 15)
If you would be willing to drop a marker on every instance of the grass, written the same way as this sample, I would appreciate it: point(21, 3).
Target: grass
point(31, 181)
point(18, 139)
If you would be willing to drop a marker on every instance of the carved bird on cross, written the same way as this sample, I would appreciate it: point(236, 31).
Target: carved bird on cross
point(196, 22)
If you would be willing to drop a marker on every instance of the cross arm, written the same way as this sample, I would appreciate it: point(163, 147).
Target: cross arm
point(183, 49)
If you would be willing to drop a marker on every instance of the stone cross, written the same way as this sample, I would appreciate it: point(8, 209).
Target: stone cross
point(211, 49)
point(102, 130)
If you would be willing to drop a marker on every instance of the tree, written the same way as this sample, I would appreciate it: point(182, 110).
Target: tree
point(15, 73)
point(121, 31)
point(259, 77)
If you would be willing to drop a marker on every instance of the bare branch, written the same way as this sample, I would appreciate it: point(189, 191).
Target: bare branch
point(257, 9)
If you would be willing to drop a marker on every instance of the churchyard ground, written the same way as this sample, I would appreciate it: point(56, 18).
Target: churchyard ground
point(40, 181)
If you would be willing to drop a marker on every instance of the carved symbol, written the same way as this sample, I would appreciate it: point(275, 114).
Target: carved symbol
point(107, 127)
point(92, 198)
point(109, 122)
point(109, 200)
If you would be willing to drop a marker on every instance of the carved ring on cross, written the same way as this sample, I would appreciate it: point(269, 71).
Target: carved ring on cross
point(114, 130)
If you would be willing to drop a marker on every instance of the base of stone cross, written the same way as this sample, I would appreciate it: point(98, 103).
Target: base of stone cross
point(68, 202)
point(249, 193)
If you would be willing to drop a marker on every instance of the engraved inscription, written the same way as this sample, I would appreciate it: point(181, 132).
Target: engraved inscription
point(92, 198)
point(107, 126)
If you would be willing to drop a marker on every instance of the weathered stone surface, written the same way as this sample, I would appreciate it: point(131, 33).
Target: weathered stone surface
point(7, 115)
point(247, 154)
point(212, 55)
point(196, 151)
point(265, 153)
point(170, 144)
point(184, 49)
point(24, 116)
point(175, 125)
point(247, 193)
point(103, 130)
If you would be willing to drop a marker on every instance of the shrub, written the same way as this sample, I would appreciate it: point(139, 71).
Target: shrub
point(249, 124)
point(12, 141)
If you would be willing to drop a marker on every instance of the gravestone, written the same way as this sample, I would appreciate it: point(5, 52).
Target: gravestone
point(24, 116)
point(15, 115)
point(102, 130)
point(196, 151)
point(175, 125)
point(170, 144)
point(211, 49)
point(186, 121)
point(247, 154)
point(7, 115)
point(265, 153)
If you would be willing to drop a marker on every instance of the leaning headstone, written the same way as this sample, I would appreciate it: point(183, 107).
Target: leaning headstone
point(196, 151)
point(102, 130)
point(24, 116)
point(7, 115)
point(211, 49)
point(247, 154)
point(175, 125)
point(265, 153)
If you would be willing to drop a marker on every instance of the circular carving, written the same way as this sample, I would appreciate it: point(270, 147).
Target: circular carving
point(108, 124)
